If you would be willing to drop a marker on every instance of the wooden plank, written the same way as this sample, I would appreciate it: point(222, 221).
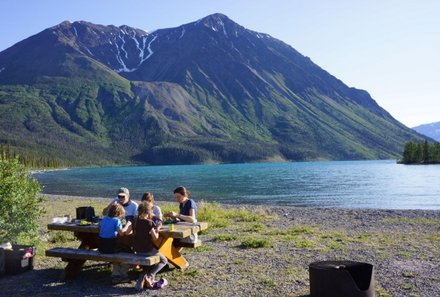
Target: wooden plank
point(79, 254)
point(188, 244)
point(73, 227)
point(200, 225)
point(181, 231)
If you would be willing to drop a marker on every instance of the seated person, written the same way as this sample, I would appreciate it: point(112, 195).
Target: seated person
point(110, 228)
point(143, 233)
point(187, 207)
point(187, 211)
point(123, 199)
point(157, 212)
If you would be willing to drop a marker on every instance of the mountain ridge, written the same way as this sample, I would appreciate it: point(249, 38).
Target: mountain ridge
point(431, 130)
point(206, 91)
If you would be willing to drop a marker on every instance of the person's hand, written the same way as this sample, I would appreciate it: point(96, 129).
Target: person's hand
point(171, 214)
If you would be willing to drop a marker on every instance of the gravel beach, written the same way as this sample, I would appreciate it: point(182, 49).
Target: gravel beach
point(402, 245)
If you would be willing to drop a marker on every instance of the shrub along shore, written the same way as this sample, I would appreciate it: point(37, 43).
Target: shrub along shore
point(258, 251)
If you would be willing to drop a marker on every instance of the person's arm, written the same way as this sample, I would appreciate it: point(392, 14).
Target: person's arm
point(128, 228)
point(124, 230)
point(154, 234)
point(191, 218)
point(159, 212)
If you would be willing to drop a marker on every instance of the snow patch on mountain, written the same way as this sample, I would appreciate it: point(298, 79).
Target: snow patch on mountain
point(150, 51)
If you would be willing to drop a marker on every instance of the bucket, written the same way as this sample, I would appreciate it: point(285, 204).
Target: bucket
point(341, 278)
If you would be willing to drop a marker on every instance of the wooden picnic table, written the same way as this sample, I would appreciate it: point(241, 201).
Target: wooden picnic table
point(89, 238)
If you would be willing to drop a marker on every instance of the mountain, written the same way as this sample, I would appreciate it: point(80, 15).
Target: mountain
point(207, 91)
point(431, 130)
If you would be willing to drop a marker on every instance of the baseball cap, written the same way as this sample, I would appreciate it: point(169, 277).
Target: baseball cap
point(123, 192)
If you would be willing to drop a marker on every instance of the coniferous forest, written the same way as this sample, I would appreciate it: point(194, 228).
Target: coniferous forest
point(421, 153)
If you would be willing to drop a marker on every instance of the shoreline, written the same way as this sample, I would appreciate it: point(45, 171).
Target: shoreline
point(247, 205)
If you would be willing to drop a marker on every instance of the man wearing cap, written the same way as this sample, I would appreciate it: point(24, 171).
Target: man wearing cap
point(130, 206)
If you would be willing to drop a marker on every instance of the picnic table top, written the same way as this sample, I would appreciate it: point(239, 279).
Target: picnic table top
point(181, 229)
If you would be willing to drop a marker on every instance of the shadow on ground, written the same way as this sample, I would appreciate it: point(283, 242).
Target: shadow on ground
point(92, 281)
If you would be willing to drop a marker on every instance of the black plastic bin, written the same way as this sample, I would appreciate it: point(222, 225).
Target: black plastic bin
point(19, 259)
point(85, 213)
point(341, 279)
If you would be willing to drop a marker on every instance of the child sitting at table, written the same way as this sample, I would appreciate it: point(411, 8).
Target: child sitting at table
point(143, 234)
point(109, 228)
point(157, 212)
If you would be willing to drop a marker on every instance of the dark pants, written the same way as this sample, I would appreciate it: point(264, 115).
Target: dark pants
point(107, 245)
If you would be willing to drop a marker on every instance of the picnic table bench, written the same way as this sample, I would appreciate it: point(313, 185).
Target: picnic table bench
point(95, 255)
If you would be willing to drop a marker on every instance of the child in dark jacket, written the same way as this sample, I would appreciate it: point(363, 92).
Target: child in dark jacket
point(144, 233)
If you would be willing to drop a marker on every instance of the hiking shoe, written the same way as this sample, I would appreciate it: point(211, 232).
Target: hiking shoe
point(160, 283)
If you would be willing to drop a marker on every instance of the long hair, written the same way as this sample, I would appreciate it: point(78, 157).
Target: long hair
point(149, 197)
point(145, 209)
point(182, 191)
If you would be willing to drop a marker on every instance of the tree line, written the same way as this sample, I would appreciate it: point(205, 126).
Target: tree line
point(29, 160)
point(421, 153)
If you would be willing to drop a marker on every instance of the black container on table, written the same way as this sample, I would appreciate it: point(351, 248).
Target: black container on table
point(85, 213)
point(341, 278)
point(19, 259)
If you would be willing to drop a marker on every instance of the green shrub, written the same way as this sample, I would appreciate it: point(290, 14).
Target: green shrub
point(253, 243)
point(20, 206)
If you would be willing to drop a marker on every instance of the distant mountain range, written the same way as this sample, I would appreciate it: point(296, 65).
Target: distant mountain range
point(431, 130)
point(207, 91)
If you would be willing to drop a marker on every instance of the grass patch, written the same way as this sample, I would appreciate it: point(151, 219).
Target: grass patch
point(305, 244)
point(381, 292)
point(244, 215)
point(407, 286)
point(225, 237)
point(61, 236)
point(255, 243)
point(408, 274)
point(256, 228)
point(268, 282)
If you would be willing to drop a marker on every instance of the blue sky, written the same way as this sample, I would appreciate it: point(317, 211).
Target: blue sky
point(389, 48)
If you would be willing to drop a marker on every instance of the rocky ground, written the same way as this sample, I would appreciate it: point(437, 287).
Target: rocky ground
point(255, 251)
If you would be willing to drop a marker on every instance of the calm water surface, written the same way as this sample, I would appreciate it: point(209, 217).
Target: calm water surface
point(347, 184)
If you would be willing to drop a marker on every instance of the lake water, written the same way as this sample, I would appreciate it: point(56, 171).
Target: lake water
point(343, 184)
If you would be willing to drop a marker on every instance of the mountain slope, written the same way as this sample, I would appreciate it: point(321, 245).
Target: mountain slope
point(208, 91)
point(431, 130)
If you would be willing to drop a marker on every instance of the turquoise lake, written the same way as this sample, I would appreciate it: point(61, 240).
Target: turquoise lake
point(342, 184)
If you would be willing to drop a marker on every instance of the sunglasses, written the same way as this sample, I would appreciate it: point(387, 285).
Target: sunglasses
point(121, 196)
